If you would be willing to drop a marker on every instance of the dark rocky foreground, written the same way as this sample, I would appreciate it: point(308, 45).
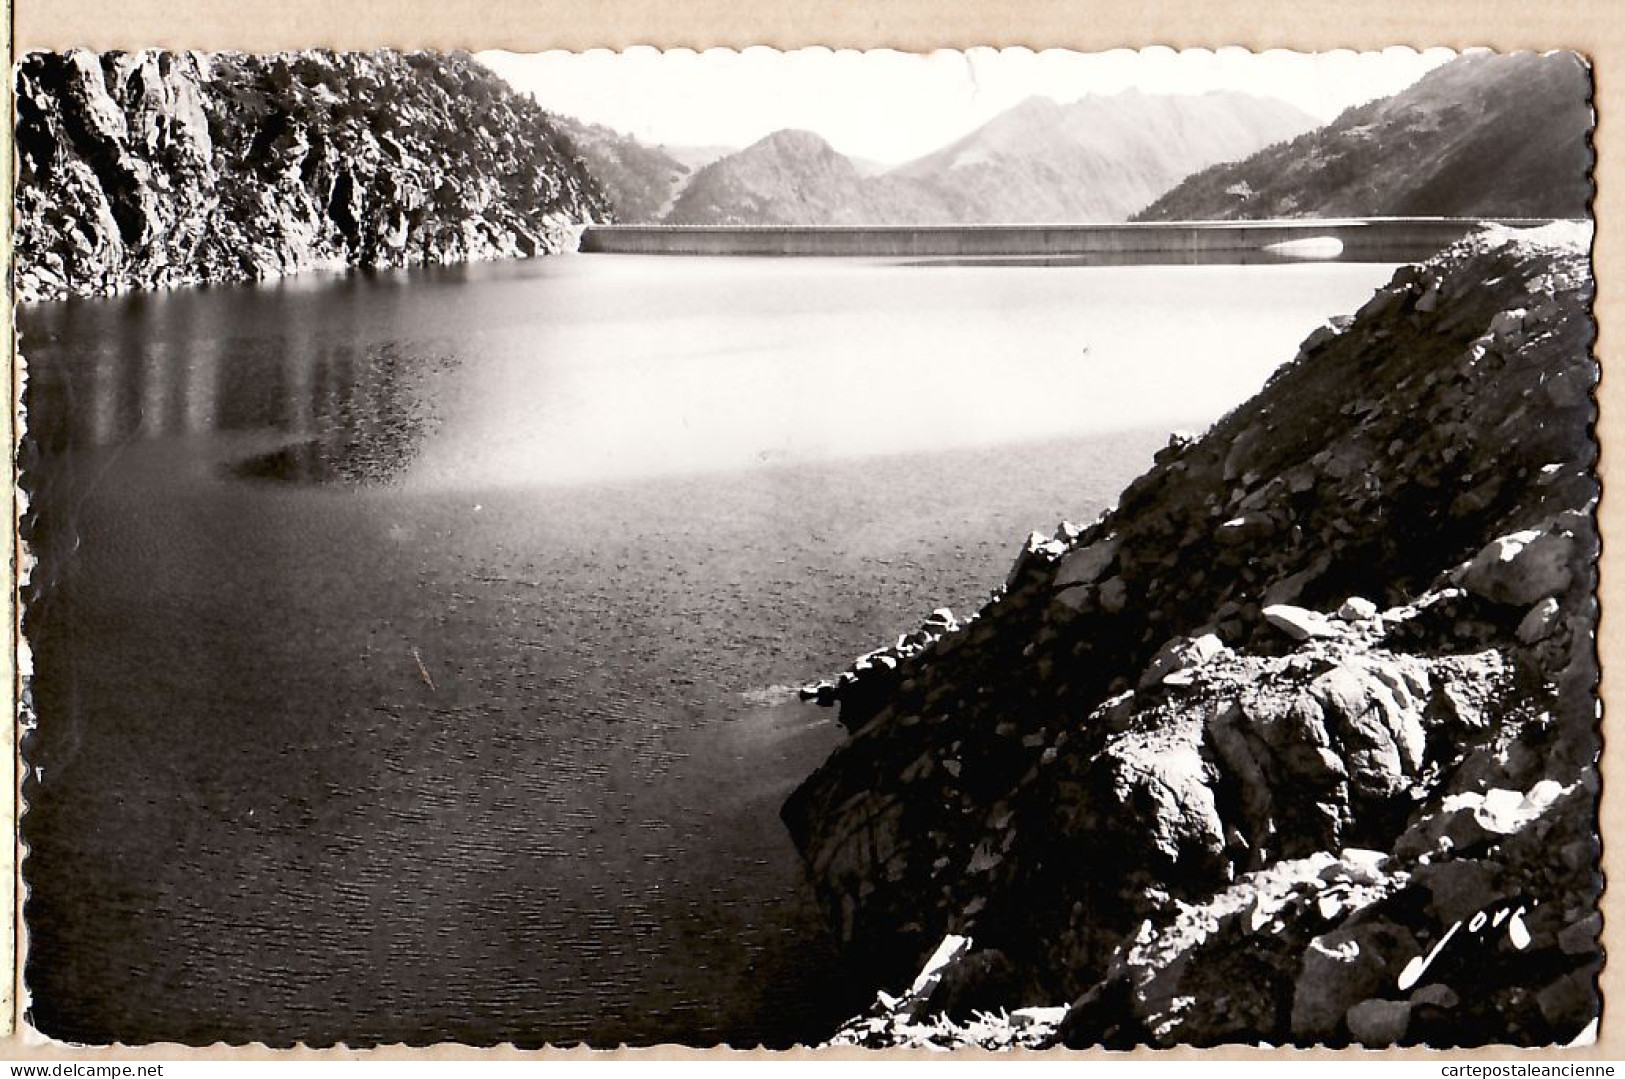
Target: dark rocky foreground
point(1297, 744)
point(152, 169)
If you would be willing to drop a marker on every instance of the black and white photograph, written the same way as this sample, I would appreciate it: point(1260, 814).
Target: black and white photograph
point(977, 549)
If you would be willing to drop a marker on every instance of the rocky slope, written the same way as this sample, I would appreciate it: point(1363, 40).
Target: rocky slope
point(1097, 159)
point(147, 169)
point(1297, 744)
point(641, 181)
point(1485, 135)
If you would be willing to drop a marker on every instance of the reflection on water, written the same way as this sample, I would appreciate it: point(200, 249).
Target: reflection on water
point(408, 646)
point(357, 416)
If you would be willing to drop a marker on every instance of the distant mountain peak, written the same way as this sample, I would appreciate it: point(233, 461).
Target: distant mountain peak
point(1095, 159)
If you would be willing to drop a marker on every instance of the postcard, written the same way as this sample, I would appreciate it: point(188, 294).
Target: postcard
point(977, 548)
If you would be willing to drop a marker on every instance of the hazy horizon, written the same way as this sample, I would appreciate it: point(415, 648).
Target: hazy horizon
point(889, 107)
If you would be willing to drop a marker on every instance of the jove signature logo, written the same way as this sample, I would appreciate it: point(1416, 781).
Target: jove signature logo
point(1480, 928)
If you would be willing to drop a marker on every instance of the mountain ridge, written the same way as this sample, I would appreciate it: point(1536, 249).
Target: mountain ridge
point(1485, 135)
point(1095, 160)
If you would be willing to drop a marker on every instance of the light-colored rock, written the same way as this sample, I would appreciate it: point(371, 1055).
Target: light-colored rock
point(952, 948)
point(1362, 866)
point(1357, 609)
point(1377, 717)
point(1299, 623)
point(1038, 549)
point(1466, 821)
point(1179, 654)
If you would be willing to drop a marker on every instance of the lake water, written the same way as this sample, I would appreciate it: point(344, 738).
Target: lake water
point(411, 649)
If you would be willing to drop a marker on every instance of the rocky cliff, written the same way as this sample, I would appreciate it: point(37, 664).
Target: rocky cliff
point(1486, 135)
point(1296, 744)
point(149, 169)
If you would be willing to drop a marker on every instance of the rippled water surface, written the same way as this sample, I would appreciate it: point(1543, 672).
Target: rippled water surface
point(411, 648)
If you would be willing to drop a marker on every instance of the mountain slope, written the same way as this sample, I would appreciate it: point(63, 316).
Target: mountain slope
point(641, 181)
point(1319, 692)
point(1098, 159)
point(794, 178)
point(154, 168)
point(1484, 135)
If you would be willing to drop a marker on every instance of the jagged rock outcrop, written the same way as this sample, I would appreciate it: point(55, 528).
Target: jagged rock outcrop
point(151, 169)
point(1486, 135)
point(1296, 744)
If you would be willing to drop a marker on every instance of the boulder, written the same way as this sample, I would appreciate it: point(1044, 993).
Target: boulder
point(1039, 549)
point(1298, 623)
point(1179, 654)
point(952, 948)
point(1376, 712)
point(1343, 968)
point(1249, 527)
point(1520, 568)
point(1436, 995)
point(1539, 623)
point(1084, 565)
point(1581, 938)
point(1376, 1023)
point(1571, 1001)
point(1357, 609)
point(1112, 595)
point(1465, 822)
point(1459, 888)
point(1507, 323)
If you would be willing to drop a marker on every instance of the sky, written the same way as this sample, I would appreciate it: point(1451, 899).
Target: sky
point(890, 107)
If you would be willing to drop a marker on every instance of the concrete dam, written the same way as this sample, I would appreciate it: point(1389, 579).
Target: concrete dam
point(1380, 239)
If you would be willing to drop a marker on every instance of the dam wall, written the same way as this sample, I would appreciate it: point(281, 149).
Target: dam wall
point(1150, 242)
